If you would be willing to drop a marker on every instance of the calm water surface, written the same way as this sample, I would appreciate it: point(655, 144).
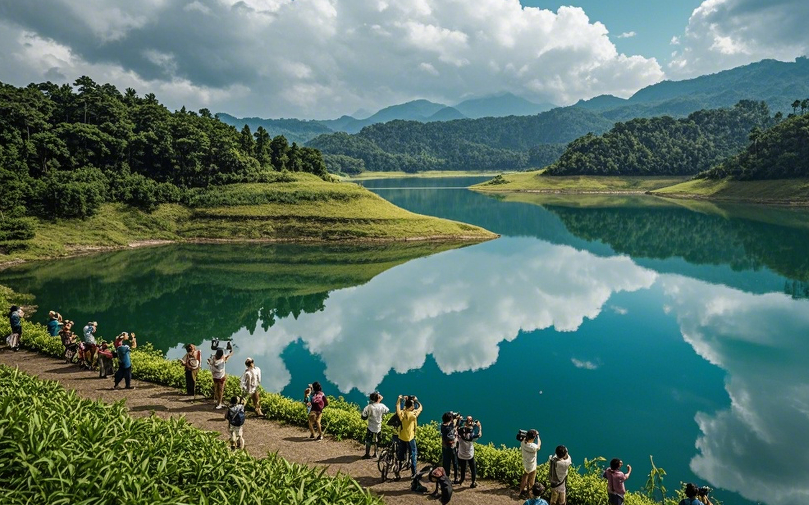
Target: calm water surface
point(621, 327)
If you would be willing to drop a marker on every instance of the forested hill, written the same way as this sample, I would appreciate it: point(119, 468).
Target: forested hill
point(664, 145)
point(781, 152)
point(513, 142)
point(64, 150)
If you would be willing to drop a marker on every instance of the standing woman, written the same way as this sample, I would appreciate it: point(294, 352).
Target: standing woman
point(192, 361)
point(15, 315)
point(467, 434)
point(250, 382)
point(217, 364)
point(54, 323)
point(90, 346)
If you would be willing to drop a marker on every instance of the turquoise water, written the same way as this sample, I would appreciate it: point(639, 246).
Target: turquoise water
point(620, 330)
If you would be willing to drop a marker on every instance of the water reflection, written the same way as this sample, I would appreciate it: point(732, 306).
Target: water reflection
point(759, 446)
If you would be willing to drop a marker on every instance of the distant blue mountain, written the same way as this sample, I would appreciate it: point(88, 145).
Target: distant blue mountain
point(505, 104)
point(446, 114)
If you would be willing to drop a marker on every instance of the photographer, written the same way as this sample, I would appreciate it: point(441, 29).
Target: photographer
point(125, 362)
point(449, 439)
point(696, 495)
point(529, 445)
point(192, 361)
point(615, 481)
point(407, 434)
point(217, 363)
point(373, 412)
point(558, 466)
point(467, 434)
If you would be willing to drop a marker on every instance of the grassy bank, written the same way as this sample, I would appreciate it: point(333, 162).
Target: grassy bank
point(536, 182)
point(779, 192)
point(304, 210)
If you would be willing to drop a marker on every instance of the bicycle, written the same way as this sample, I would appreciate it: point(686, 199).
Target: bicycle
point(388, 461)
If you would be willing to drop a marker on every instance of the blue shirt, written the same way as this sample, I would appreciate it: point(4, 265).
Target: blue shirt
point(535, 501)
point(123, 355)
point(53, 327)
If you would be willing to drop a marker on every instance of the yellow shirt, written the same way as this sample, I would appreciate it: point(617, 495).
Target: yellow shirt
point(408, 429)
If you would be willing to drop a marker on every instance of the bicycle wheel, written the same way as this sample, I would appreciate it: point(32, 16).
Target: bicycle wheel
point(385, 463)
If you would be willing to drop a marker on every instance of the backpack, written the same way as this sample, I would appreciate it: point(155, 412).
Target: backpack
point(236, 418)
point(394, 421)
point(319, 401)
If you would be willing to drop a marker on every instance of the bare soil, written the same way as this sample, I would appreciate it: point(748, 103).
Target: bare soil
point(262, 436)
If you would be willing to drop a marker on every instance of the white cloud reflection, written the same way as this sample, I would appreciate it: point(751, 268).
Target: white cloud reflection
point(759, 447)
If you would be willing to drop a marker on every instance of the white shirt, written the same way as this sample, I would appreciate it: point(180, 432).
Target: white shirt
point(251, 379)
point(375, 411)
point(217, 367)
point(529, 455)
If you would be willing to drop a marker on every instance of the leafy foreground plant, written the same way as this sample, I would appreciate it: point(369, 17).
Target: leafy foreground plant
point(57, 448)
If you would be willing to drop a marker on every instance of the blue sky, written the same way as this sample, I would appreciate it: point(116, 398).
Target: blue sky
point(325, 58)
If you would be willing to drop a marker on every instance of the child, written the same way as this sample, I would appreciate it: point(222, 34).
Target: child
point(307, 399)
point(235, 418)
point(104, 361)
point(536, 495)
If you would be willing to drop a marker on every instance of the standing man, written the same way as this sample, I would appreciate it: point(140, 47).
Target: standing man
point(529, 447)
point(373, 412)
point(407, 433)
point(558, 466)
point(90, 346)
point(251, 378)
point(125, 361)
point(467, 434)
point(615, 481)
point(192, 361)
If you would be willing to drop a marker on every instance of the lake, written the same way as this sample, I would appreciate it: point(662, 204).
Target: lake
point(617, 326)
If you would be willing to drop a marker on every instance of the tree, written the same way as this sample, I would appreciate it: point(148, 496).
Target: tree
point(804, 105)
point(279, 152)
point(262, 147)
point(246, 141)
point(795, 105)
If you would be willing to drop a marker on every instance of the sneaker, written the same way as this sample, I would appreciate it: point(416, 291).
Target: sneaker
point(115, 387)
point(473, 484)
point(311, 435)
point(130, 387)
point(319, 438)
point(219, 407)
point(366, 456)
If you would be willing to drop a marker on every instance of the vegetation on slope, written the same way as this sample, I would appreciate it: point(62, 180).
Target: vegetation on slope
point(538, 182)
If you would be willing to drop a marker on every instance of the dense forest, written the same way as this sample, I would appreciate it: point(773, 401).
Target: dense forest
point(65, 149)
point(506, 143)
point(664, 145)
point(781, 152)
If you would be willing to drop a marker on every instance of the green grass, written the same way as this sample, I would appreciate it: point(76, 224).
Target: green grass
point(308, 209)
point(536, 182)
point(779, 191)
point(419, 175)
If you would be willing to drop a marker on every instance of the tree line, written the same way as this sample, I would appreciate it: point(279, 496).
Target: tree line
point(64, 150)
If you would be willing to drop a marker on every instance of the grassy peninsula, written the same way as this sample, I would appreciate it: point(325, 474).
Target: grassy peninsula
point(538, 182)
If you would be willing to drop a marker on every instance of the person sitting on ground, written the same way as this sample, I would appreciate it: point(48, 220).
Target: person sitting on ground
point(441, 479)
point(217, 363)
point(235, 418)
point(250, 381)
point(529, 447)
point(15, 316)
point(104, 361)
point(192, 361)
point(407, 433)
point(536, 495)
point(54, 323)
point(90, 346)
point(373, 412)
point(615, 481)
point(558, 465)
point(317, 403)
point(125, 362)
point(69, 341)
point(692, 496)
point(467, 434)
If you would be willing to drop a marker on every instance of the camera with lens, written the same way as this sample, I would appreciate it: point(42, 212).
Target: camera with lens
point(704, 491)
point(522, 435)
point(215, 344)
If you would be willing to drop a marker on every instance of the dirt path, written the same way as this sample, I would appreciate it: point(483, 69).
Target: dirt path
point(261, 436)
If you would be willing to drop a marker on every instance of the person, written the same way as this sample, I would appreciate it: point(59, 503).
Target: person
point(615, 481)
point(104, 361)
point(251, 378)
point(69, 341)
point(558, 465)
point(317, 403)
point(54, 323)
point(529, 446)
point(125, 362)
point(407, 433)
point(192, 361)
point(307, 399)
point(90, 346)
point(467, 434)
point(536, 495)
point(373, 412)
point(693, 496)
point(217, 363)
point(235, 418)
point(15, 315)
point(441, 479)
point(449, 438)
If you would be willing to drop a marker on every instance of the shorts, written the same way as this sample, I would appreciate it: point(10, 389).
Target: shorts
point(615, 499)
point(371, 437)
point(90, 348)
point(314, 416)
point(558, 496)
point(220, 381)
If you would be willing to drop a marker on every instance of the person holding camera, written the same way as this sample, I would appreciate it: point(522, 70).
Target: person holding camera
point(373, 412)
point(615, 481)
point(696, 495)
point(90, 346)
point(192, 361)
point(125, 362)
point(467, 434)
point(217, 363)
point(449, 439)
point(251, 378)
point(407, 433)
point(529, 445)
point(558, 465)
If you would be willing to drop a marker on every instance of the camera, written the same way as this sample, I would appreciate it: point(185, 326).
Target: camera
point(704, 490)
point(215, 344)
point(522, 435)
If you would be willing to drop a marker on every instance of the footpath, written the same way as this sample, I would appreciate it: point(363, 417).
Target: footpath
point(262, 436)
